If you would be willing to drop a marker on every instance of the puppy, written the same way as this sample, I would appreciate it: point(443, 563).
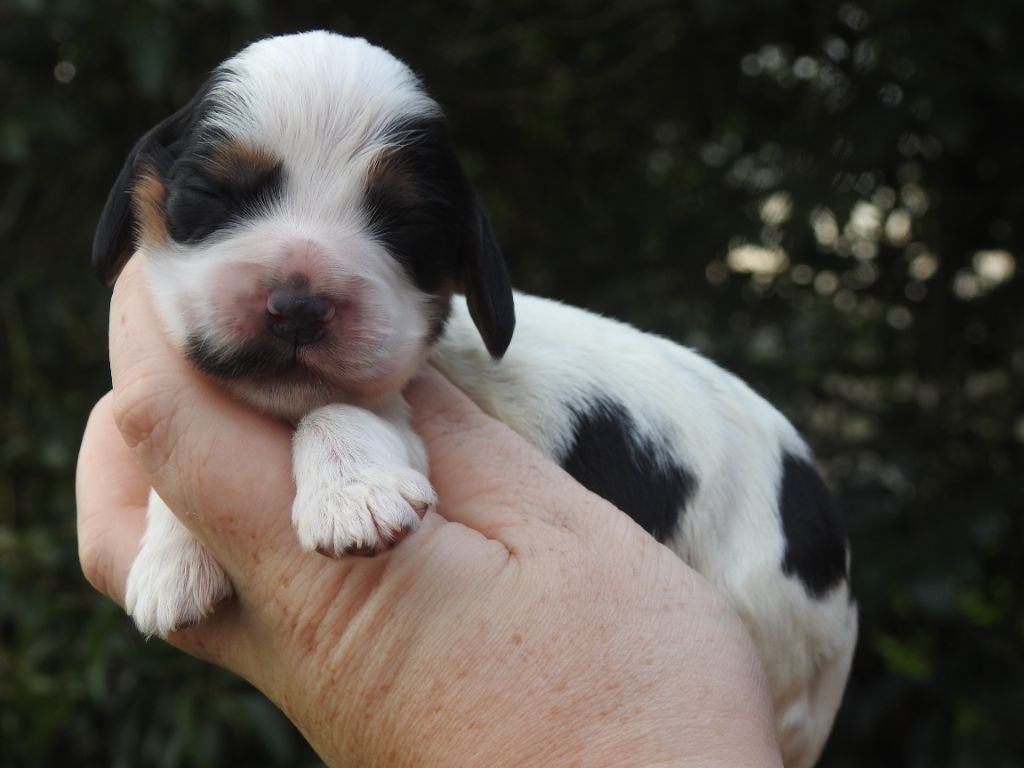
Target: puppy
point(310, 241)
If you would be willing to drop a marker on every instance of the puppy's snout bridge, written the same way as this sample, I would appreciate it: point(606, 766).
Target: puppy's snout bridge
point(298, 316)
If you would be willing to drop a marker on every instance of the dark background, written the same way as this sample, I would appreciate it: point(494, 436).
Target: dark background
point(823, 197)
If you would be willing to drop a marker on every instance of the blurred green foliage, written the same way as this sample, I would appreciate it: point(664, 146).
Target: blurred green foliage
point(824, 197)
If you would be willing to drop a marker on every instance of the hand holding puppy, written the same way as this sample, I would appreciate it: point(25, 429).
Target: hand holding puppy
point(525, 621)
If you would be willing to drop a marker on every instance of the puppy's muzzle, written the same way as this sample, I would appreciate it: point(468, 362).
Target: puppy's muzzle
point(298, 316)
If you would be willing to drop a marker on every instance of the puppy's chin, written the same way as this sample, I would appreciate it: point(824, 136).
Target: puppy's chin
point(288, 400)
point(289, 382)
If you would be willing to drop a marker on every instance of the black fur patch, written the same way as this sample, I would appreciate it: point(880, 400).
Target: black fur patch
point(209, 191)
point(815, 538)
point(419, 205)
point(609, 458)
point(252, 361)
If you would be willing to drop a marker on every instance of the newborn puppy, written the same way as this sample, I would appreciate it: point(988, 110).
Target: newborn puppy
point(310, 241)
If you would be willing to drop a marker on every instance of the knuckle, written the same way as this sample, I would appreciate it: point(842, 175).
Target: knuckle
point(146, 410)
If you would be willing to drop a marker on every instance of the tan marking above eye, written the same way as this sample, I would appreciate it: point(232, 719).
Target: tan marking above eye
point(389, 174)
point(235, 162)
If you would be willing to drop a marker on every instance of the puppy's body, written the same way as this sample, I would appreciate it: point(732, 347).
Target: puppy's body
point(703, 463)
point(304, 225)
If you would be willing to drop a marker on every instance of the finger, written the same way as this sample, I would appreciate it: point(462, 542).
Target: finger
point(224, 469)
point(111, 499)
point(487, 476)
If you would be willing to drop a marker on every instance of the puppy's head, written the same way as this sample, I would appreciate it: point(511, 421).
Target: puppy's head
point(304, 222)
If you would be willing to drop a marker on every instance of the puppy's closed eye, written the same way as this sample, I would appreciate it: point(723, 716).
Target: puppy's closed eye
point(207, 195)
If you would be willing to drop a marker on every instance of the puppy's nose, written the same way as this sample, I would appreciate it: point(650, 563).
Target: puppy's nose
point(297, 316)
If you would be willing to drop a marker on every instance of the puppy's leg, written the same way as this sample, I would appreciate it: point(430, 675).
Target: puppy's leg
point(359, 479)
point(174, 582)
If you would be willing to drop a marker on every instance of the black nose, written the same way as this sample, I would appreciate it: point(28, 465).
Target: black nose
point(297, 316)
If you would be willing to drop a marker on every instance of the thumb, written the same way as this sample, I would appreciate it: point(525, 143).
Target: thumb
point(486, 475)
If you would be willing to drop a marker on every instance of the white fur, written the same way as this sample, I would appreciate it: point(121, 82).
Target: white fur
point(319, 102)
point(322, 101)
point(359, 479)
point(174, 581)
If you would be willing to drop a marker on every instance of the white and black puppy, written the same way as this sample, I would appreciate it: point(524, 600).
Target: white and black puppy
point(310, 241)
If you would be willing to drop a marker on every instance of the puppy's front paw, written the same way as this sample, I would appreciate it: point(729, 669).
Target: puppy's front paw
point(173, 584)
point(364, 513)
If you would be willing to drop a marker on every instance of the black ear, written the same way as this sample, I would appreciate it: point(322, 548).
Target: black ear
point(113, 242)
point(488, 289)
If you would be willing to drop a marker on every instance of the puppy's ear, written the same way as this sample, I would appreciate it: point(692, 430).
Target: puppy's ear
point(113, 242)
point(486, 284)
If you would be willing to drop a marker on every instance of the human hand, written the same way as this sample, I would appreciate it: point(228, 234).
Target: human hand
point(527, 622)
